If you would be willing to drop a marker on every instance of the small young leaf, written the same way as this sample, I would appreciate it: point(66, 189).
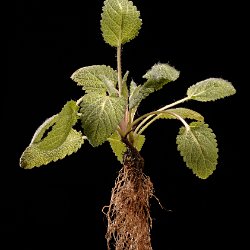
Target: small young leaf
point(35, 156)
point(118, 147)
point(210, 90)
point(198, 146)
point(120, 22)
point(139, 141)
point(182, 112)
point(124, 85)
point(159, 75)
point(139, 93)
point(101, 116)
point(91, 78)
point(132, 87)
point(111, 89)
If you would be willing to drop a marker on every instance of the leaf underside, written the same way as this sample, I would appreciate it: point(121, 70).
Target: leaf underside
point(198, 146)
point(67, 118)
point(183, 113)
point(61, 141)
point(34, 156)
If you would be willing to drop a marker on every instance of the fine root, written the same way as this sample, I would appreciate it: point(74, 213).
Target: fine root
point(128, 214)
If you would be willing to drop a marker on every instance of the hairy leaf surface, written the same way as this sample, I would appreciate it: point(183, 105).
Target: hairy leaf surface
point(44, 149)
point(159, 75)
point(138, 94)
point(101, 116)
point(91, 78)
point(182, 112)
point(35, 156)
point(210, 90)
point(198, 146)
point(65, 121)
point(124, 85)
point(47, 124)
point(120, 22)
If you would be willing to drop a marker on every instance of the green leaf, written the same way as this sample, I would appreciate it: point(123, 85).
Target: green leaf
point(48, 123)
point(124, 85)
point(66, 120)
point(118, 147)
point(210, 90)
point(132, 87)
point(62, 140)
point(91, 78)
point(139, 141)
point(198, 146)
point(182, 112)
point(35, 156)
point(139, 93)
point(120, 22)
point(111, 89)
point(101, 116)
point(159, 75)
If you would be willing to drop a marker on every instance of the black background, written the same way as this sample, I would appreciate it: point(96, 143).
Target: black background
point(59, 205)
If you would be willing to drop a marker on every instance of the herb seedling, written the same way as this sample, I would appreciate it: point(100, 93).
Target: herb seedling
point(107, 112)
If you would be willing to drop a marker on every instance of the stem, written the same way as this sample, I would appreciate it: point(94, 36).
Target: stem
point(85, 137)
point(161, 109)
point(79, 101)
point(147, 125)
point(157, 112)
point(182, 120)
point(174, 103)
point(119, 69)
point(157, 116)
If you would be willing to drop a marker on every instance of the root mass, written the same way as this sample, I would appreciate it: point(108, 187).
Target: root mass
point(128, 214)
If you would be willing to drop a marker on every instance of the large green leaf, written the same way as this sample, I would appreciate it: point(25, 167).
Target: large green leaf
point(35, 156)
point(210, 90)
point(159, 75)
point(95, 78)
point(120, 22)
point(198, 146)
point(60, 141)
point(101, 116)
point(65, 121)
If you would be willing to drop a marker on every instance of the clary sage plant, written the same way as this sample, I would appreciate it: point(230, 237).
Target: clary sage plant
point(107, 112)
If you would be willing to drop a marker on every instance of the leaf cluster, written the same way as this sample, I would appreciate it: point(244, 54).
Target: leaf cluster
point(107, 108)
